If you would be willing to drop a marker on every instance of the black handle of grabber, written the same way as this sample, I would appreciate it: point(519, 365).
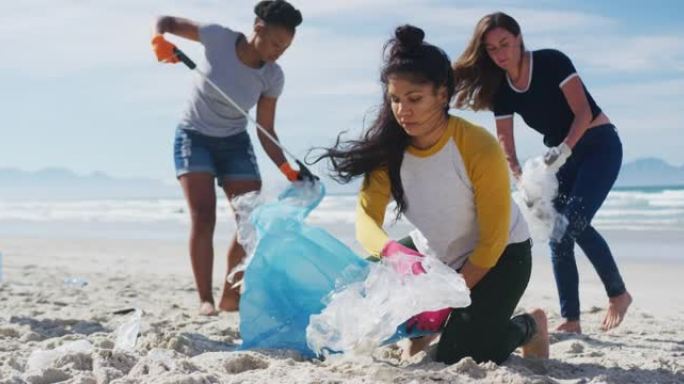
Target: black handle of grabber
point(184, 58)
point(305, 174)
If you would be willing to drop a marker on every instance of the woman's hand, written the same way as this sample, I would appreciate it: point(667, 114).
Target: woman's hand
point(429, 321)
point(555, 157)
point(164, 50)
point(404, 259)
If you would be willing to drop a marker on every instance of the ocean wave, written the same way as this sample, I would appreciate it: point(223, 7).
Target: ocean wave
point(633, 209)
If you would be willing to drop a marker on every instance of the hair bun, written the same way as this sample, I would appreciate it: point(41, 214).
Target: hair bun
point(409, 37)
point(278, 12)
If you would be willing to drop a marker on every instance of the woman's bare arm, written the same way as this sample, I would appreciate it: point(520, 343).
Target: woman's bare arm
point(177, 26)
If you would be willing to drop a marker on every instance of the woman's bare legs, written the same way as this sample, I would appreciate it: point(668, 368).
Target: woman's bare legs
point(200, 196)
point(230, 297)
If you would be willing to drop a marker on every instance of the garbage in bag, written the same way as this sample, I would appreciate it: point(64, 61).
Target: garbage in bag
point(536, 191)
point(294, 266)
point(296, 270)
point(365, 314)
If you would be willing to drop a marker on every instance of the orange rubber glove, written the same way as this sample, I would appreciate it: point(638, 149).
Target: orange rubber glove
point(163, 49)
point(291, 174)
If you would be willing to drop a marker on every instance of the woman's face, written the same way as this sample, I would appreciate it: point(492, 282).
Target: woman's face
point(272, 41)
point(503, 48)
point(417, 107)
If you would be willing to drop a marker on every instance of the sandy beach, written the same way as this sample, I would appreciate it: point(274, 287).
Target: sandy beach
point(101, 127)
point(40, 310)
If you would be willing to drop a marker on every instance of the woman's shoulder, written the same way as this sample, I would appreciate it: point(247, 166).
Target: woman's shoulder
point(216, 28)
point(217, 33)
point(470, 135)
point(477, 145)
point(457, 123)
point(274, 69)
point(548, 54)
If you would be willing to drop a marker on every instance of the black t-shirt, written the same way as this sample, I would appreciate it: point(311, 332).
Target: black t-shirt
point(543, 105)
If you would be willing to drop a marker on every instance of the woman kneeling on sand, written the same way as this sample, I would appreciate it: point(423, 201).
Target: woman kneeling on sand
point(449, 178)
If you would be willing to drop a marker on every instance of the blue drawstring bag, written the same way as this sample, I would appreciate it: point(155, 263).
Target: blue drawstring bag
point(293, 268)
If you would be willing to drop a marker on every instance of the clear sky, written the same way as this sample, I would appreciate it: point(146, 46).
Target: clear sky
point(81, 89)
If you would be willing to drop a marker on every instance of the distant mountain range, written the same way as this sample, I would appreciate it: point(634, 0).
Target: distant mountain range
point(60, 183)
point(650, 172)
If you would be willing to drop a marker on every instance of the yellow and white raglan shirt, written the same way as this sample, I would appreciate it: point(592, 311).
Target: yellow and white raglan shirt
point(457, 194)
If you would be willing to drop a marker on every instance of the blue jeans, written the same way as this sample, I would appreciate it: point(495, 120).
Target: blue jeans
point(583, 184)
point(230, 158)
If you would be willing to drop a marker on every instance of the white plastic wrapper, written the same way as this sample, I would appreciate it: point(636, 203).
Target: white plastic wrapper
point(361, 316)
point(43, 359)
point(127, 333)
point(537, 189)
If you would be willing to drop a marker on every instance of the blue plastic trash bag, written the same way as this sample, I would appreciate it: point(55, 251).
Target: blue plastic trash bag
point(294, 267)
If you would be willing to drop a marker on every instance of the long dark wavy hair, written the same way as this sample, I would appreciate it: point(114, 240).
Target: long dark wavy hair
point(383, 144)
point(476, 76)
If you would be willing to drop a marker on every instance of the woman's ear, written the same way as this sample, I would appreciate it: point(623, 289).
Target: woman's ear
point(259, 27)
point(443, 95)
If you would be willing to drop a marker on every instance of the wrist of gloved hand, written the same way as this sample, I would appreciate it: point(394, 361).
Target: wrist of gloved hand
point(289, 172)
point(429, 321)
point(558, 155)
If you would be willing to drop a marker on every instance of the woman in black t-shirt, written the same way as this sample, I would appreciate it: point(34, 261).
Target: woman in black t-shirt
point(495, 72)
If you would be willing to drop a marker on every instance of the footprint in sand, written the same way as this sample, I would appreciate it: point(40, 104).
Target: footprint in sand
point(576, 348)
point(244, 362)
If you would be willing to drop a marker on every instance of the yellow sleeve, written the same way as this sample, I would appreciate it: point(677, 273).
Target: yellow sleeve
point(370, 211)
point(488, 172)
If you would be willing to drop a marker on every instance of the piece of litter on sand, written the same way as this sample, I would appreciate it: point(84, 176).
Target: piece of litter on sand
point(124, 311)
point(127, 333)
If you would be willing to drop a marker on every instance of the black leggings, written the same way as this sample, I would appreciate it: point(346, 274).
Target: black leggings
point(485, 330)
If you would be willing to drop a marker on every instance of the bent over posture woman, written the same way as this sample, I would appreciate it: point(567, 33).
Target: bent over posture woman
point(495, 72)
point(211, 140)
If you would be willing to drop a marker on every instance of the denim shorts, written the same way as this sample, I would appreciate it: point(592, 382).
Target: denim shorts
point(229, 157)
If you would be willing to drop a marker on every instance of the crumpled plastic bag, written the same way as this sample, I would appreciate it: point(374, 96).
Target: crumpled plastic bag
point(293, 268)
point(536, 191)
point(367, 313)
point(296, 270)
point(42, 359)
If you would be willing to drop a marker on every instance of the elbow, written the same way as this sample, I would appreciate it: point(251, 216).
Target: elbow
point(164, 24)
point(584, 116)
point(359, 235)
point(365, 239)
point(502, 137)
point(263, 137)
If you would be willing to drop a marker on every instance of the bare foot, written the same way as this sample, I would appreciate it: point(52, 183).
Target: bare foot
point(418, 344)
point(207, 309)
point(570, 326)
point(617, 308)
point(230, 298)
point(538, 346)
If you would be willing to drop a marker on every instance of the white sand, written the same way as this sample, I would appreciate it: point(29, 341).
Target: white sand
point(39, 312)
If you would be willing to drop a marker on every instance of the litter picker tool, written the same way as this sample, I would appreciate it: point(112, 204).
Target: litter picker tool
point(303, 170)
